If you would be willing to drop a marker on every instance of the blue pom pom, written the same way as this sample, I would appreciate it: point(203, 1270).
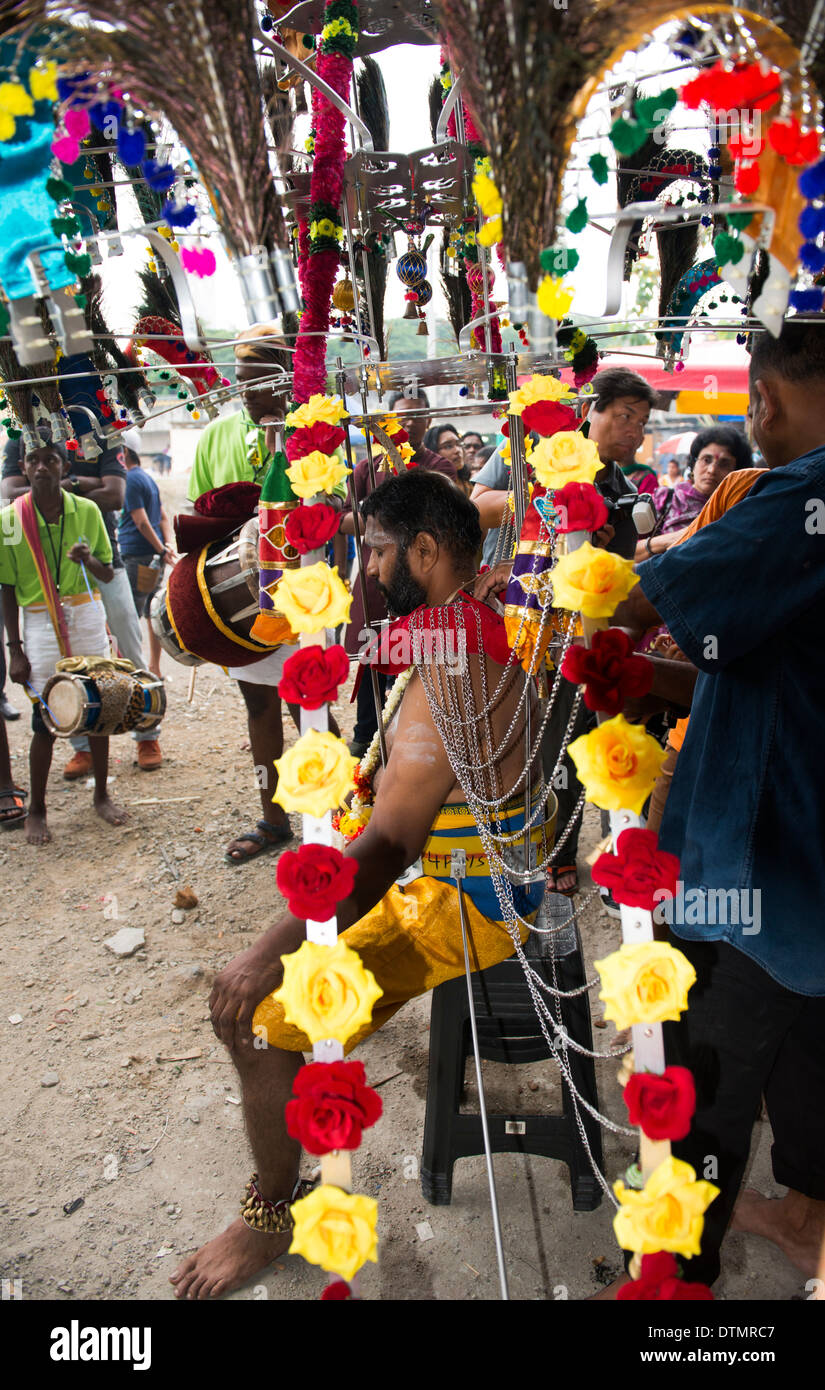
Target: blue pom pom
point(705, 221)
point(714, 153)
point(101, 113)
point(812, 256)
point(812, 181)
point(741, 337)
point(806, 301)
point(463, 390)
point(131, 145)
point(179, 216)
point(158, 176)
point(267, 23)
point(812, 222)
point(704, 195)
point(715, 171)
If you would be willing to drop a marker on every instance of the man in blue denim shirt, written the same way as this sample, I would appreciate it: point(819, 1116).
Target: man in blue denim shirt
point(745, 601)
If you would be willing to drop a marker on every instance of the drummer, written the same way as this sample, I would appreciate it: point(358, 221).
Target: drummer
point(54, 546)
point(235, 449)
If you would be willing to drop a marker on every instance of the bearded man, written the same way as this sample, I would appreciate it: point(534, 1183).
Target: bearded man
point(423, 535)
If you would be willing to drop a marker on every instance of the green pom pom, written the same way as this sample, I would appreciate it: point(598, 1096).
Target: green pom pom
point(59, 189)
point(739, 220)
point(627, 136)
point(728, 249)
point(308, 40)
point(577, 219)
point(81, 300)
point(80, 265)
point(558, 260)
point(651, 111)
point(598, 167)
point(65, 226)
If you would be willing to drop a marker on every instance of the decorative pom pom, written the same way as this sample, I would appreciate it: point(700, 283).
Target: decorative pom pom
point(812, 222)
point(131, 145)
point(812, 181)
point(179, 216)
point(812, 256)
point(160, 177)
point(806, 301)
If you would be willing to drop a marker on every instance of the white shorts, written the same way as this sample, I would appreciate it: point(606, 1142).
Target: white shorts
point(86, 624)
point(267, 671)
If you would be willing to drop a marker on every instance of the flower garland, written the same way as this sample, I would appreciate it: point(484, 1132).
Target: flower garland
point(353, 822)
point(320, 241)
point(645, 981)
point(326, 990)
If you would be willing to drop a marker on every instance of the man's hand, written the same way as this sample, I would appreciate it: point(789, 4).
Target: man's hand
point(492, 581)
point(604, 536)
point(80, 554)
point(19, 667)
point(243, 983)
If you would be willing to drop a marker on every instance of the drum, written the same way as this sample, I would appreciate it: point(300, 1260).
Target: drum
point(102, 704)
point(161, 625)
point(208, 607)
point(248, 554)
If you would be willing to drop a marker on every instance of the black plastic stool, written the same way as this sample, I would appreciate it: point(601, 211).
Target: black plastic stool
point(509, 1031)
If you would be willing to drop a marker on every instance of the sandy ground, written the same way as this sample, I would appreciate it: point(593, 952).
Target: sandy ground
point(143, 1123)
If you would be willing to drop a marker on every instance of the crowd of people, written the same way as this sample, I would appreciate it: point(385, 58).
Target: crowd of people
point(730, 595)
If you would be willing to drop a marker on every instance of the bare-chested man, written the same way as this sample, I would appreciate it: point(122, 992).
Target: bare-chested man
point(424, 536)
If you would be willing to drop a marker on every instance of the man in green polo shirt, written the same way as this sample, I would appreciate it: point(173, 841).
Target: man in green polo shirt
point(73, 545)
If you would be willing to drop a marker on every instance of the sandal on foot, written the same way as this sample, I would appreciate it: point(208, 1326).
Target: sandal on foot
point(14, 815)
point(556, 872)
point(273, 837)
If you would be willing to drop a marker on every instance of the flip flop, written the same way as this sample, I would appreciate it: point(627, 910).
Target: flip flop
point(14, 815)
point(284, 834)
point(556, 871)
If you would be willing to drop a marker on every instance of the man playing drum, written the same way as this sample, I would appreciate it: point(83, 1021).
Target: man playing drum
point(52, 542)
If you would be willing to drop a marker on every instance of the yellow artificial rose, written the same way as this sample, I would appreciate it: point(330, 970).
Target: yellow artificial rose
point(507, 453)
point(645, 982)
point(537, 388)
point(327, 992)
point(315, 774)
point(335, 1229)
point(566, 457)
point(590, 580)
point(553, 298)
point(668, 1214)
point(314, 473)
point(312, 597)
point(330, 409)
point(617, 764)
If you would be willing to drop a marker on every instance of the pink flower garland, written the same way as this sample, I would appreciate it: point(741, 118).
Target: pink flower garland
point(321, 268)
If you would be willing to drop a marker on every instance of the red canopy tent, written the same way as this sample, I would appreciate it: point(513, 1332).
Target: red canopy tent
point(698, 374)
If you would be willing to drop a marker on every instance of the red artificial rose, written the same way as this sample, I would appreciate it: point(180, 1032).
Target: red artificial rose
point(662, 1105)
point(332, 1105)
point(308, 528)
point(314, 879)
point(659, 1281)
point(608, 670)
point(548, 417)
point(582, 507)
point(326, 438)
point(312, 676)
point(336, 1291)
point(637, 870)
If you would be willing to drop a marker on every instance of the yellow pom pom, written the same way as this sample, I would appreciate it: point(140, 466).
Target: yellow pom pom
point(15, 100)
point(43, 82)
point(196, 415)
point(175, 245)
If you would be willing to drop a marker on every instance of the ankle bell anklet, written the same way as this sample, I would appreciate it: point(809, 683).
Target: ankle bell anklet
point(273, 1218)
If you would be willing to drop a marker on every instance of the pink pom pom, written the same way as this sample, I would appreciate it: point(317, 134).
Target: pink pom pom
point(77, 122)
point(198, 260)
point(66, 149)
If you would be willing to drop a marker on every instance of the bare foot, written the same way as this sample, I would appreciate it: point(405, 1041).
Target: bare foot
point(37, 831)
point(108, 811)
point(227, 1262)
point(794, 1223)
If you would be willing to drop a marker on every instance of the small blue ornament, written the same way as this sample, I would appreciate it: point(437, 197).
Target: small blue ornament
point(411, 269)
point(131, 145)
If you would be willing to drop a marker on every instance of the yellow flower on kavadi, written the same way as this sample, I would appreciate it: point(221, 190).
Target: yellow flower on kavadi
point(327, 992)
point(566, 457)
point(336, 1230)
point(645, 982)
point(315, 774)
point(617, 764)
point(314, 473)
point(330, 409)
point(312, 597)
point(668, 1214)
point(590, 581)
point(537, 388)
